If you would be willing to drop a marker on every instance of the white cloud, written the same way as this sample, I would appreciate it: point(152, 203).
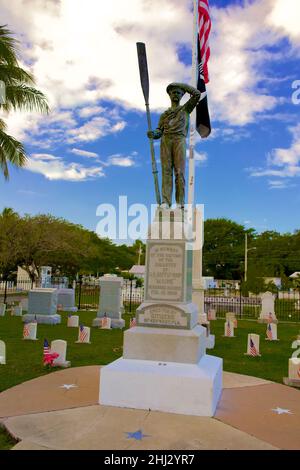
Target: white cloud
point(54, 168)
point(279, 184)
point(121, 160)
point(90, 111)
point(282, 162)
point(94, 129)
point(84, 153)
point(285, 16)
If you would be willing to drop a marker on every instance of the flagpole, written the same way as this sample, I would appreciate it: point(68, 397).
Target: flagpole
point(191, 186)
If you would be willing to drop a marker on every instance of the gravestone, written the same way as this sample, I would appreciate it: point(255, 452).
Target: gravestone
point(253, 345)
point(17, 310)
point(229, 329)
point(230, 316)
point(105, 323)
point(59, 346)
point(164, 365)
point(271, 333)
point(29, 331)
point(66, 300)
point(267, 314)
point(73, 321)
point(293, 379)
point(42, 307)
point(2, 353)
point(211, 314)
point(84, 335)
point(2, 310)
point(110, 303)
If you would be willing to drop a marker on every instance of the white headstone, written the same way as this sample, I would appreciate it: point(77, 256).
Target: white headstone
point(230, 316)
point(110, 303)
point(203, 318)
point(211, 314)
point(2, 353)
point(73, 321)
point(253, 345)
point(84, 334)
point(105, 323)
point(16, 311)
point(229, 329)
point(294, 368)
point(29, 331)
point(2, 310)
point(267, 313)
point(59, 346)
point(271, 333)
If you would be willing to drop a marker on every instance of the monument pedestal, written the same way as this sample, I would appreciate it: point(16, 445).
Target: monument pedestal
point(165, 366)
point(190, 389)
point(42, 319)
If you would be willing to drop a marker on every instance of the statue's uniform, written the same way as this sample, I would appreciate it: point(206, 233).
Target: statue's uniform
point(173, 125)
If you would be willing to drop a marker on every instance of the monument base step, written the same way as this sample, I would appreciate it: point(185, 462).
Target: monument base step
point(189, 389)
point(165, 344)
point(210, 342)
point(43, 319)
point(115, 323)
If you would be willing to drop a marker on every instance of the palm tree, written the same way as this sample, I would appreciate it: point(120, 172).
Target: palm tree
point(20, 95)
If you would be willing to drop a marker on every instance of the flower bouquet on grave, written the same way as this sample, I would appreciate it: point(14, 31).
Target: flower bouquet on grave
point(48, 357)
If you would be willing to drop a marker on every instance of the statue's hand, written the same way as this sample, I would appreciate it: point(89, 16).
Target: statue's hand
point(154, 134)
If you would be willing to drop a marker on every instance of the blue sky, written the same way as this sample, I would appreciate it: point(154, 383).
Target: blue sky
point(92, 148)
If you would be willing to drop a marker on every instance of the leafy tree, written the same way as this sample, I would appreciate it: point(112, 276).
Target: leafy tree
point(20, 95)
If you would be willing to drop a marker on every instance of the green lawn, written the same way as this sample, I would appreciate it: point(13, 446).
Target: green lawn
point(24, 358)
point(6, 441)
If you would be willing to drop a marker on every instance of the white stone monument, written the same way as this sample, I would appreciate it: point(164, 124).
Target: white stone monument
point(73, 321)
point(2, 310)
point(66, 300)
point(253, 345)
point(229, 329)
point(198, 288)
point(110, 303)
point(29, 331)
point(42, 306)
point(2, 353)
point(17, 310)
point(271, 333)
point(165, 366)
point(267, 314)
point(84, 333)
point(105, 323)
point(59, 346)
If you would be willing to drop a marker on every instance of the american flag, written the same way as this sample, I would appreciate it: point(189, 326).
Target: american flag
point(47, 351)
point(204, 22)
point(132, 322)
point(82, 334)
point(228, 329)
point(26, 330)
point(253, 350)
point(269, 332)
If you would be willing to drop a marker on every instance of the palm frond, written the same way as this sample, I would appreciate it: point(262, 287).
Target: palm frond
point(8, 46)
point(12, 75)
point(11, 150)
point(22, 97)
